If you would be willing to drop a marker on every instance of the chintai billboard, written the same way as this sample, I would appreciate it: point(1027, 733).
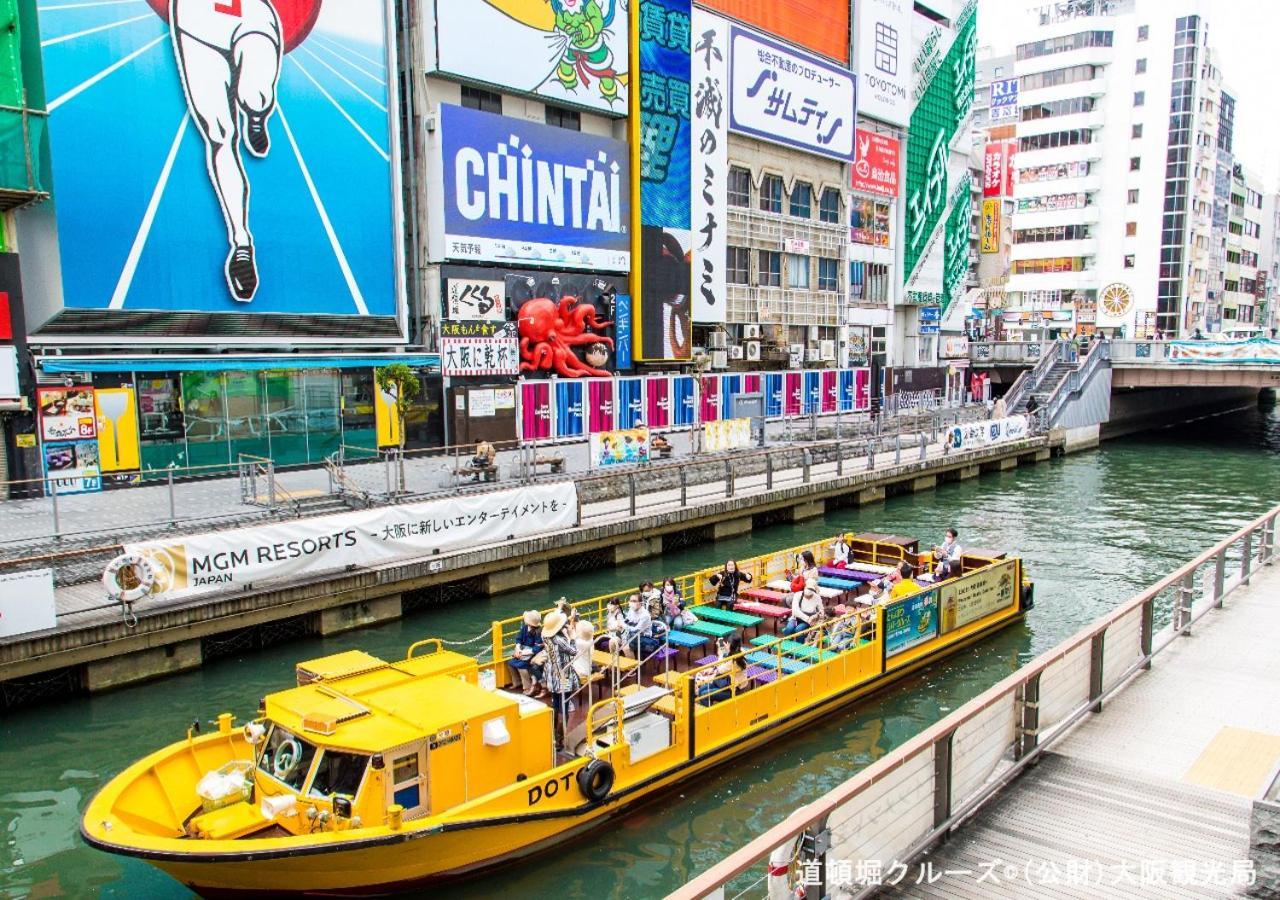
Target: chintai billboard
point(221, 169)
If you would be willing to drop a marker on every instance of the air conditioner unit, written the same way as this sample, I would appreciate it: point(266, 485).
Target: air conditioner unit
point(827, 349)
point(719, 359)
point(751, 332)
point(735, 352)
point(717, 340)
point(813, 332)
point(753, 351)
point(812, 355)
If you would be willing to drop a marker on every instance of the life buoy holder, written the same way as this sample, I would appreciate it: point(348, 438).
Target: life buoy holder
point(288, 755)
point(142, 570)
point(595, 780)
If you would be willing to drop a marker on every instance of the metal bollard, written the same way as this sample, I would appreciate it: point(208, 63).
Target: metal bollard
point(808, 461)
point(923, 445)
point(173, 514)
point(897, 449)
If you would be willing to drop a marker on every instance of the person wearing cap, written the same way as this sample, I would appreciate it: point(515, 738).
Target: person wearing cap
point(528, 645)
point(806, 610)
point(560, 677)
point(841, 550)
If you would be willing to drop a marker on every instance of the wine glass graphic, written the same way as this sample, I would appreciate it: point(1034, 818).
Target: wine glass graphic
point(114, 406)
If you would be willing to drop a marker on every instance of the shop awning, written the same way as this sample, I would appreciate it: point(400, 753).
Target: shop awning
point(233, 363)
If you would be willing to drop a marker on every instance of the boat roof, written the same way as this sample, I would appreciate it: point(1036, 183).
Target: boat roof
point(359, 702)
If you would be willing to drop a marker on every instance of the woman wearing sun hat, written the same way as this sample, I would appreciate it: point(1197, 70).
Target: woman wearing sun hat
point(528, 646)
point(559, 675)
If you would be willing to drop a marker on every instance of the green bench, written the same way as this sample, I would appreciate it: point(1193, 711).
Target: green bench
point(795, 648)
point(711, 629)
point(726, 617)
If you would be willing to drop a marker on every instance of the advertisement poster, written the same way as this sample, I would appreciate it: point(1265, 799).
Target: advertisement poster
point(118, 446)
point(994, 164)
point(26, 602)
point(230, 160)
point(525, 193)
point(910, 621)
point(233, 560)
point(479, 348)
point(1258, 350)
point(969, 599)
point(1004, 100)
point(710, 166)
point(993, 431)
point(664, 136)
point(876, 164)
point(822, 27)
point(726, 435)
point(884, 59)
point(620, 448)
point(466, 298)
point(571, 52)
point(990, 225)
point(565, 322)
point(66, 414)
point(72, 467)
point(784, 95)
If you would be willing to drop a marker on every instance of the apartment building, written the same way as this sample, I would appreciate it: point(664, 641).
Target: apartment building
point(1245, 281)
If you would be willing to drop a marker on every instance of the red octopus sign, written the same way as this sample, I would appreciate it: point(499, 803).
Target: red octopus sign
point(549, 331)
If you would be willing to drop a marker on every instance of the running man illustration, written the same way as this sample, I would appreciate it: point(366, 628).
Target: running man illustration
point(229, 54)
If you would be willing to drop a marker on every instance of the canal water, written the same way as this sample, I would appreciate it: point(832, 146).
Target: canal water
point(1093, 529)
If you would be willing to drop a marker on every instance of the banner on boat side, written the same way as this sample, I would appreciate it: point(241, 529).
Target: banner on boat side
point(26, 602)
point(624, 447)
point(910, 622)
point(986, 433)
point(975, 596)
point(246, 557)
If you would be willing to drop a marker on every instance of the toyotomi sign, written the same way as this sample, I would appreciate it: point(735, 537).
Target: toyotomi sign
point(884, 59)
point(787, 96)
point(520, 192)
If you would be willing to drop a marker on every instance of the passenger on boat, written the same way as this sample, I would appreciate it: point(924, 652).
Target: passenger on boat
point(841, 551)
point(726, 678)
point(808, 567)
point(637, 639)
point(561, 676)
point(673, 611)
point(727, 582)
point(585, 640)
point(948, 555)
point(806, 610)
point(895, 577)
point(649, 593)
point(528, 646)
point(570, 614)
point(844, 629)
point(876, 593)
point(615, 624)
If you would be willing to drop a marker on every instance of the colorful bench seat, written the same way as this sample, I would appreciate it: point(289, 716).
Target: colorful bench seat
point(771, 661)
point(686, 641)
point(851, 574)
point(767, 595)
point(725, 616)
point(795, 648)
point(761, 674)
point(711, 629)
point(782, 585)
point(768, 610)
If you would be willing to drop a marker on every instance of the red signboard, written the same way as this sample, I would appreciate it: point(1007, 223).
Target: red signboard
point(993, 167)
point(876, 164)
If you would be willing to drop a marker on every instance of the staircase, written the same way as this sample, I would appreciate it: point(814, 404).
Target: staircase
point(1045, 387)
point(320, 505)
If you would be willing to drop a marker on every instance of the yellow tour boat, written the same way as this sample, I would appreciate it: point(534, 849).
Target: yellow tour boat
point(371, 777)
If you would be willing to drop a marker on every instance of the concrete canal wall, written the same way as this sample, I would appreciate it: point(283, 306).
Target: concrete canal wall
point(624, 518)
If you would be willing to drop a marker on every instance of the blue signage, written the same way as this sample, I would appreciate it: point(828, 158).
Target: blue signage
point(622, 332)
point(569, 421)
point(523, 193)
point(199, 171)
point(1004, 100)
point(910, 622)
point(930, 313)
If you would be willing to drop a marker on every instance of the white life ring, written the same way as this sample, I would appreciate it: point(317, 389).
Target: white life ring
point(142, 570)
point(288, 755)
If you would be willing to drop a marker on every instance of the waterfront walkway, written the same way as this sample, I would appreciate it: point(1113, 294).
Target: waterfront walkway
point(1125, 762)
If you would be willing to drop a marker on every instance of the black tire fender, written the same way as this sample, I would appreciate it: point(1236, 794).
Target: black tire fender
point(595, 780)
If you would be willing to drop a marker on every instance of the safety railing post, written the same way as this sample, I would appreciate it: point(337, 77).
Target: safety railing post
point(897, 449)
point(942, 769)
point(1185, 597)
point(684, 486)
point(871, 455)
point(1096, 653)
point(923, 446)
point(173, 507)
point(768, 471)
point(1246, 558)
point(271, 484)
point(1148, 632)
point(631, 491)
point(839, 457)
point(1219, 577)
point(807, 459)
point(1268, 554)
point(386, 471)
point(1028, 704)
point(728, 478)
point(53, 497)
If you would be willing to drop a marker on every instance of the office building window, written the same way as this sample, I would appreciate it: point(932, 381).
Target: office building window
point(570, 119)
point(1137, 130)
point(771, 194)
point(739, 187)
point(829, 207)
point(1129, 261)
point(1135, 163)
point(1139, 98)
point(485, 101)
point(1064, 43)
point(1133, 195)
point(802, 200)
point(1140, 67)
point(737, 264)
point(1130, 229)
point(1069, 75)
point(1056, 139)
point(770, 274)
point(828, 274)
point(797, 271)
point(1143, 31)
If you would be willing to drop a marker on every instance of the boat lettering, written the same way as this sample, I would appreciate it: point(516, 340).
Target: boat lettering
point(444, 741)
point(550, 789)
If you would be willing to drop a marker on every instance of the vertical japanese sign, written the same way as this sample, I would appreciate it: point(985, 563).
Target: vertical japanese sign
point(664, 34)
point(710, 154)
point(876, 164)
point(990, 225)
point(994, 167)
point(884, 59)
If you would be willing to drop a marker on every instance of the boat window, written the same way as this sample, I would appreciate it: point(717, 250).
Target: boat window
point(406, 783)
point(338, 773)
point(286, 757)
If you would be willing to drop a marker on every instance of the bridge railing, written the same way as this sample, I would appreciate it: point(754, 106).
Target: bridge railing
point(898, 807)
point(1029, 381)
point(1139, 351)
point(1007, 352)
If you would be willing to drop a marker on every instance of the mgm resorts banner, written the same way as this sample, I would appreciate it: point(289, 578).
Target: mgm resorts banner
point(985, 433)
point(229, 561)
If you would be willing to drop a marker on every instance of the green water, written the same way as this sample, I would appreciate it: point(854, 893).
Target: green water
point(1092, 529)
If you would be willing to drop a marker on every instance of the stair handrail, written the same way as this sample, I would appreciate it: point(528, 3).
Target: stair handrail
point(1075, 381)
point(346, 485)
point(1030, 380)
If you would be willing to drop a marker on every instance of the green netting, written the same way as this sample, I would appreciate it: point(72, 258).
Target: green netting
point(21, 137)
point(11, 82)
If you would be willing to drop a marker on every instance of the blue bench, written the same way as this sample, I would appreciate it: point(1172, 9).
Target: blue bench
point(686, 641)
point(839, 584)
point(769, 661)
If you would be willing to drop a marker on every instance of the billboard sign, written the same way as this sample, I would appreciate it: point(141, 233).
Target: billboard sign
point(571, 52)
point(911, 621)
point(994, 164)
point(876, 163)
point(822, 27)
point(475, 298)
point(787, 96)
point(662, 129)
point(479, 348)
point(969, 599)
point(884, 59)
point(524, 193)
point(66, 413)
point(991, 225)
point(710, 165)
point(230, 161)
point(1004, 100)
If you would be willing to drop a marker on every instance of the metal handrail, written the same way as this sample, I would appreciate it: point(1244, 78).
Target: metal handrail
point(707, 884)
point(1030, 380)
point(1075, 382)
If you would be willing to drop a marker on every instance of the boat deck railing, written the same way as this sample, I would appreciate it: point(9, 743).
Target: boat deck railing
point(897, 808)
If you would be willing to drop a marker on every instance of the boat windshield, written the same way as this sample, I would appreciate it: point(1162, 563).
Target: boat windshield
point(338, 773)
point(286, 756)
